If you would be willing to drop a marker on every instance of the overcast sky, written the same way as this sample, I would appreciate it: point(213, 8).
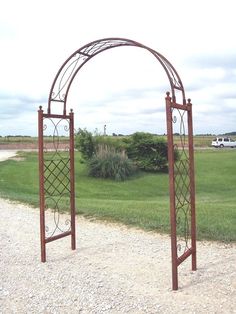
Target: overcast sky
point(125, 87)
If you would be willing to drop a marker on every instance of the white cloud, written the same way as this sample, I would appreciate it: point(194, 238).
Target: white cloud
point(125, 87)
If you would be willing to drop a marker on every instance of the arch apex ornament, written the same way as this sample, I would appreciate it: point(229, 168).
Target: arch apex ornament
point(56, 158)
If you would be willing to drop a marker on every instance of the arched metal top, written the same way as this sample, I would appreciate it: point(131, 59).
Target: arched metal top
point(66, 74)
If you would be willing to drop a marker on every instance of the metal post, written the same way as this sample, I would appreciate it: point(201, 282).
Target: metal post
point(172, 192)
point(192, 185)
point(72, 181)
point(41, 184)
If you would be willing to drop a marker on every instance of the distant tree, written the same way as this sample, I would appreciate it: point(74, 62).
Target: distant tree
point(85, 143)
point(230, 133)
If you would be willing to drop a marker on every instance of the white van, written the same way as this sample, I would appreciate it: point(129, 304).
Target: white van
point(223, 142)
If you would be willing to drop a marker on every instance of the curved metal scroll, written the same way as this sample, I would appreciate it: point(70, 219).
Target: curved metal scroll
point(66, 74)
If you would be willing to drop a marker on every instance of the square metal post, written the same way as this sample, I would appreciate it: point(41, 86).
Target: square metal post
point(72, 181)
point(192, 186)
point(41, 184)
point(171, 162)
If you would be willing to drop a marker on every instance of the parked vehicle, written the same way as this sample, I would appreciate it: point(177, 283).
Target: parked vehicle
point(223, 142)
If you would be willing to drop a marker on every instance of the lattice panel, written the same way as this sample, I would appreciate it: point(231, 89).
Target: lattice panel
point(56, 163)
point(182, 183)
point(57, 177)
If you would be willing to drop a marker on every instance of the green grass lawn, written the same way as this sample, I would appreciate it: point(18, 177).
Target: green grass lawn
point(142, 201)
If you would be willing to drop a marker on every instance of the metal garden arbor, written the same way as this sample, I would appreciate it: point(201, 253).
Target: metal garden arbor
point(56, 162)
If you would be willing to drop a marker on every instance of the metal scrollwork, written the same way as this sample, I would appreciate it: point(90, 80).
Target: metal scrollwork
point(56, 174)
point(174, 119)
point(56, 162)
point(182, 184)
point(56, 226)
point(76, 61)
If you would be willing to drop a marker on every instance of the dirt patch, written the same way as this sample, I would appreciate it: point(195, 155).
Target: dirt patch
point(18, 146)
point(29, 146)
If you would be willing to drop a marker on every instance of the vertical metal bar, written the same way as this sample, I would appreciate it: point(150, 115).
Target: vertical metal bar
point(41, 184)
point(192, 185)
point(172, 192)
point(64, 106)
point(72, 181)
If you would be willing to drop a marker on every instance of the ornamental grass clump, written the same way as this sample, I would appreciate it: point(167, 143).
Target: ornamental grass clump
point(110, 163)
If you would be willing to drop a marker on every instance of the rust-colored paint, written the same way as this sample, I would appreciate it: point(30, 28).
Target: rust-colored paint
point(42, 179)
point(72, 181)
point(192, 185)
point(176, 261)
point(41, 184)
point(171, 163)
point(58, 96)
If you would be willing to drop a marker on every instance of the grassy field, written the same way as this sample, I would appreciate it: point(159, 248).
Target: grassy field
point(25, 139)
point(142, 201)
point(199, 141)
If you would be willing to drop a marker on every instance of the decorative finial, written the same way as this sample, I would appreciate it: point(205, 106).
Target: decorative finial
point(40, 107)
point(71, 110)
point(168, 96)
point(189, 101)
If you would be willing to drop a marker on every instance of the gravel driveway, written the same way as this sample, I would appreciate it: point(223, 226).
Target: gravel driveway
point(114, 270)
point(5, 154)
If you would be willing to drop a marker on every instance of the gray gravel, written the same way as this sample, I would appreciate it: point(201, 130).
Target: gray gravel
point(5, 154)
point(114, 270)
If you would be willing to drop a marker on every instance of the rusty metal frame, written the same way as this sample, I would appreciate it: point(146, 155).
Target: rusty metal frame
point(181, 186)
point(69, 69)
point(56, 179)
point(181, 169)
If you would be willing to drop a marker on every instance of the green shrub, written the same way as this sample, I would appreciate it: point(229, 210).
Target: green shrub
point(149, 152)
point(85, 143)
point(110, 163)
